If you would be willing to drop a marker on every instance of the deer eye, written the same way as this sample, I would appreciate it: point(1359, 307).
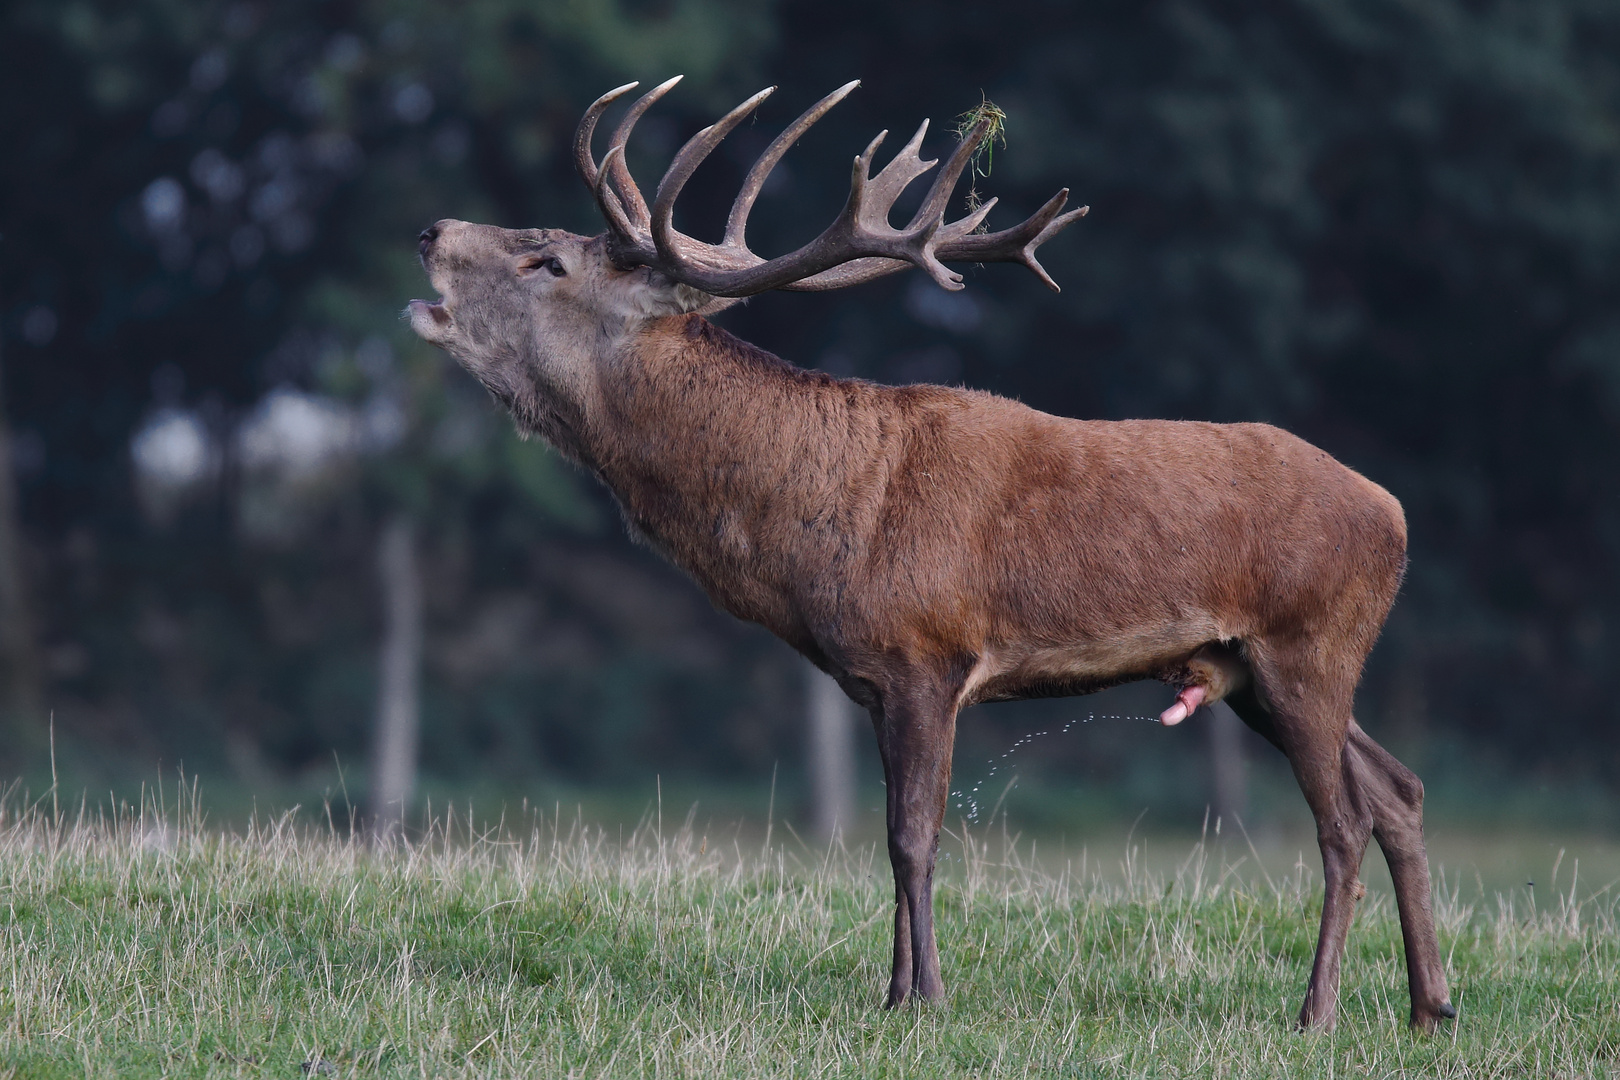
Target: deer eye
point(547, 262)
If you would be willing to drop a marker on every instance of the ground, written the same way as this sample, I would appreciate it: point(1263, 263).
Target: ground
point(147, 944)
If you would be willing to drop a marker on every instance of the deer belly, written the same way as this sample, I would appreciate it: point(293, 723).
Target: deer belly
point(1008, 673)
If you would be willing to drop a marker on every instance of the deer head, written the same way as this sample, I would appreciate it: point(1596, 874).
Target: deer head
point(530, 311)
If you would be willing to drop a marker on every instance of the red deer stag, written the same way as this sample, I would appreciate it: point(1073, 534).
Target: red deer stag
point(932, 547)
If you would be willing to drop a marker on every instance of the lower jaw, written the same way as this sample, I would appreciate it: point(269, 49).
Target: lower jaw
point(429, 320)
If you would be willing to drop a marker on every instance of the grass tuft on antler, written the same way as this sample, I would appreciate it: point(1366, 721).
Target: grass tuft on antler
point(984, 157)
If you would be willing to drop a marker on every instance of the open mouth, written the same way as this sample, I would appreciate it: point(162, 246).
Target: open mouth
point(432, 309)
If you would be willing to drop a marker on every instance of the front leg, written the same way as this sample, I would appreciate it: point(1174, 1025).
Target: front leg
point(916, 728)
point(900, 971)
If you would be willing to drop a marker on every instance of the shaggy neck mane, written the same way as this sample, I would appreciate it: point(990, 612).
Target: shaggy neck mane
point(704, 439)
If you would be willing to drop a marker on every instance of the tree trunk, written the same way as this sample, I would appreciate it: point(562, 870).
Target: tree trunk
point(1228, 775)
point(20, 697)
point(393, 766)
point(832, 723)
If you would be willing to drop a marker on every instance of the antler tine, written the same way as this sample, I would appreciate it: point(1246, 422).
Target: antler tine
point(1018, 243)
point(1059, 224)
point(966, 226)
point(635, 206)
point(697, 148)
point(627, 245)
point(737, 221)
point(939, 192)
point(863, 228)
point(583, 161)
point(895, 177)
point(1056, 226)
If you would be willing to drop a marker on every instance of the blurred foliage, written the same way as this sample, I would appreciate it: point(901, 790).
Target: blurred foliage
point(1388, 225)
point(251, 178)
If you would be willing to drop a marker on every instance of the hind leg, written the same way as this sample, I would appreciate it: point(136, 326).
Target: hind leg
point(1307, 715)
point(1394, 795)
point(1342, 831)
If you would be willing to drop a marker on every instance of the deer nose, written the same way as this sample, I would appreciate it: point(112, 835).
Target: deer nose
point(425, 240)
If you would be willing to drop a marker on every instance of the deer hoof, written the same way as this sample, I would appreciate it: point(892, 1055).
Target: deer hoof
point(1427, 1020)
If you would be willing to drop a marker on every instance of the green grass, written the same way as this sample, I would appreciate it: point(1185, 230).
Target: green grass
point(145, 944)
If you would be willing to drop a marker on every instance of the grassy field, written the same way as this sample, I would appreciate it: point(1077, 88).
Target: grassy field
point(145, 944)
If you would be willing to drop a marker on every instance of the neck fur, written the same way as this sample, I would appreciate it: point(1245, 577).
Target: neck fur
point(708, 442)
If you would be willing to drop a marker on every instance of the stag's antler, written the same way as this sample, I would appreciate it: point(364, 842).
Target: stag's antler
point(858, 246)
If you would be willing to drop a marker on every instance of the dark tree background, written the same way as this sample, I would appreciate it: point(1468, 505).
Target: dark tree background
point(1391, 226)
